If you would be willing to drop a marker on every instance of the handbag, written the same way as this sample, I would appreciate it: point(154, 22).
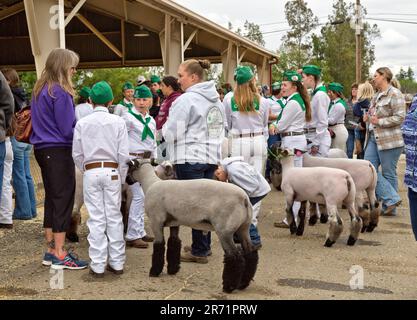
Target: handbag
point(23, 125)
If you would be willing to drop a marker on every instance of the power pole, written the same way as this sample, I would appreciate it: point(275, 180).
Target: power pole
point(358, 29)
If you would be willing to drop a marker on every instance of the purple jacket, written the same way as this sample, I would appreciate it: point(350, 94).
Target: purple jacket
point(164, 110)
point(53, 119)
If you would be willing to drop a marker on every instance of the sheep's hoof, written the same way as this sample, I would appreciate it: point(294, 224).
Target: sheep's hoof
point(364, 229)
point(324, 217)
point(153, 273)
point(313, 220)
point(300, 231)
point(329, 243)
point(371, 227)
point(351, 241)
point(173, 269)
point(72, 237)
point(293, 228)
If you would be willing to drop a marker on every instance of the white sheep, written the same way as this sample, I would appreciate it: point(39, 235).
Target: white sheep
point(328, 186)
point(195, 203)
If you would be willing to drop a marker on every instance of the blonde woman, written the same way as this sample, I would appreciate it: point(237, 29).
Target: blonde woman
point(384, 138)
point(247, 116)
point(53, 121)
point(141, 129)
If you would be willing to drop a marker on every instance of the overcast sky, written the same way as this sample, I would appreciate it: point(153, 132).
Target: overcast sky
point(397, 46)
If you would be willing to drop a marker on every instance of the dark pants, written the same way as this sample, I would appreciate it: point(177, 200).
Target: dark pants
point(253, 230)
point(58, 175)
point(412, 199)
point(350, 143)
point(200, 242)
point(2, 157)
point(271, 140)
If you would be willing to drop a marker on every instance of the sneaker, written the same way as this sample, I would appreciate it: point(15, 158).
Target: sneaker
point(47, 259)
point(281, 224)
point(390, 210)
point(70, 261)
point(117, 272)
point(188, 257)
point(148, 238)
point(96, 274)
point(188, 249)
point(137, 243)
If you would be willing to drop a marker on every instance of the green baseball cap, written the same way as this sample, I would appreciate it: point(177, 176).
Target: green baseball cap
point(276, 85)
point(85, 92)
point(127, 86)
point(312, 69)
point(243, 74)
point(101, 93)
point(142, 92)
point(291, 75)
point(155, 79)
point(336, 87)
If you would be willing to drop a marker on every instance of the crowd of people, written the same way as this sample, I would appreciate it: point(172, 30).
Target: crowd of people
point(186, 119)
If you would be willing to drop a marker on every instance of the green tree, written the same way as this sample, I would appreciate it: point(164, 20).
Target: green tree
point(410, 74)
point(402, 75)
point(297, 44)
point(335, 47)
point(251, 30)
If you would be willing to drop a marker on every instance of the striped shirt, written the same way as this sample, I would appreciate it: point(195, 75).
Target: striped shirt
point(409, 129)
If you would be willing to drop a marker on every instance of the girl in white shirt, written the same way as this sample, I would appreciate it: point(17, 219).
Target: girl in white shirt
point(337, 112)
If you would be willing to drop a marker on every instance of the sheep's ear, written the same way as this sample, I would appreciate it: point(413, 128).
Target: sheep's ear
point(285, 153)
point(168, 170)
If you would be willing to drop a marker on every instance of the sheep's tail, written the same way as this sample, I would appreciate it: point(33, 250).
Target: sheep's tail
point(351, 188)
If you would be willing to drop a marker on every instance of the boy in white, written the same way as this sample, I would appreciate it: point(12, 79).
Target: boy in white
point(84, 107)
point(141, 128)
point(100, 150)
point(242, 174)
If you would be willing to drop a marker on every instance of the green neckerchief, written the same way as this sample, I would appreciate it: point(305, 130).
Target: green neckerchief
point(296, 97)
point(235, 107)
point(146, 130)
point(342, 102)
point(281, 103)
point(127, 105)
point(321, 88)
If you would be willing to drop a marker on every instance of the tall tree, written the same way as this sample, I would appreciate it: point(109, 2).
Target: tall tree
point(251, 30)
point(334, 50)
point(297, 43)
point(402, 75)
point(410, 74)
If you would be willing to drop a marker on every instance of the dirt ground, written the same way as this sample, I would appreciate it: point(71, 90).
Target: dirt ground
point(290, 267)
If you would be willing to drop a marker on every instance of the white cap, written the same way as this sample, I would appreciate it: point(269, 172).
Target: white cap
point(141, 80)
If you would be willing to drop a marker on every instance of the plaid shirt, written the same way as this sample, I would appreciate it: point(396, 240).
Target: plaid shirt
point(389, 107)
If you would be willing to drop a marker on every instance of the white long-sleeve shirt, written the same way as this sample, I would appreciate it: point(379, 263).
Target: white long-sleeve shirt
point(82, 110)
point(101, 136)
point(320, 119)
point(134, 131)
point(337, 113)
point(292, 118)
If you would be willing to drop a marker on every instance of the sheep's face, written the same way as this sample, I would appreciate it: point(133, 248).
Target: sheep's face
point(165, 171)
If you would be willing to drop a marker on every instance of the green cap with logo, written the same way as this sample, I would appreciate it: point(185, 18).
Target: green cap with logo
point(312, 69)
point(101, 93)
point(155, 79)
point(291, 75)
point(127, 86)
point(85, 92)
point(336, 87)
point(243, 74)
point(142, 92)
point(276, 85)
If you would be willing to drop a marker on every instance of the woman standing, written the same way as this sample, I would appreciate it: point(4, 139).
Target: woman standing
point(384, 139)
point(337, 112)
point(53, 121)
point(141, 129)
point(25, 203)
point(247, 115)
point(291, 122)
point(351, 121)
point(194, 134)
point(171, 91)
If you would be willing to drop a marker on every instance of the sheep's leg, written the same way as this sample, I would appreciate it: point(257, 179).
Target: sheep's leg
point(375, 210)
point(313, 214)
point(174, 251)
point(335, 227)
point(363, 213)
point(72, 233)
point(324, 216)
point(290, 214)
point(302, 215)
point(158, 255)
point(234, 263)
point(355, 224)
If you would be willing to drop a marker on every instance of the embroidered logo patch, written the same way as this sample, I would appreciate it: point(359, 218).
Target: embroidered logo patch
point(115, 177)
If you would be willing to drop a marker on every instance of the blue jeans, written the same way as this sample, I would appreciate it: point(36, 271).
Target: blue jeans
point(188, 171)
point(2, 157)
point(271, 141)
point(350, 143)
point(387, 185)
point(412, 199)
point(253, 230)
point(25, 204)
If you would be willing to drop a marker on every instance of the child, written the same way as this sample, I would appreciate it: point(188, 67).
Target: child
point(141, 128)
point(101, 151)
point(126, 103)
point(242, 174)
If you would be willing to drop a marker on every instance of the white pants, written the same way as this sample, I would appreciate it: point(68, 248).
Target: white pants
point(102, 197)
point(324, 143)
point(6, 201)
point(298, 142)
point(341, 137)
point(136, 222)
point(254, 151)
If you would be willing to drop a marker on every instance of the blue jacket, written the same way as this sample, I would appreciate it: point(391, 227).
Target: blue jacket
point(409, 129)
point(359, 106)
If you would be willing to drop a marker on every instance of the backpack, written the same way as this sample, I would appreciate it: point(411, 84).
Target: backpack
point(23, 129)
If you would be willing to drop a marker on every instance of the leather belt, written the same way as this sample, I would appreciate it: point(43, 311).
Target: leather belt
point(248, 135)
point(310, 130)
point(333, 125)
point(102, 164)
point(291, 133)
